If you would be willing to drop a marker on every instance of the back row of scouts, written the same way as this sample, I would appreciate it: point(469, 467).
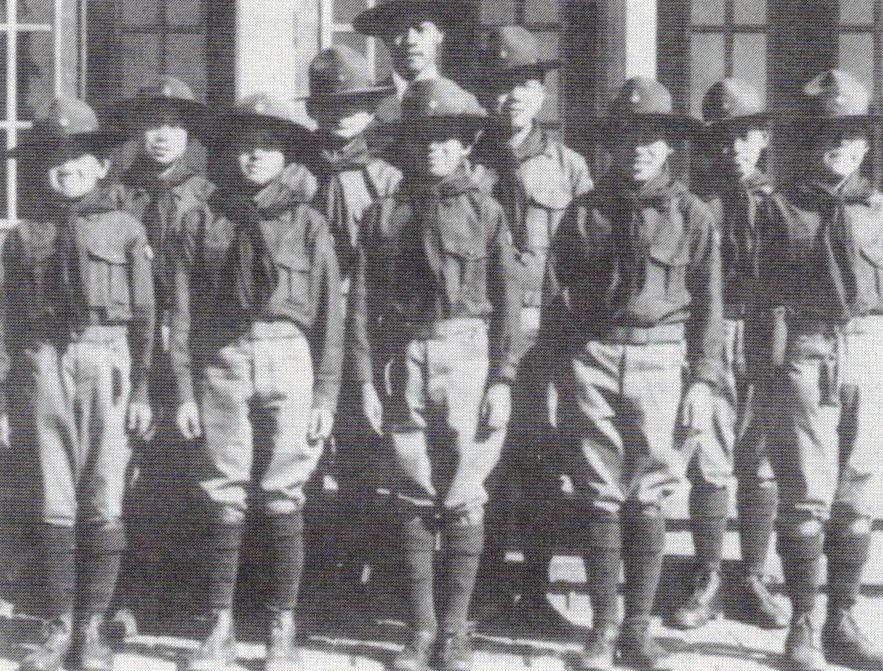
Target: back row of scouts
point(473, 272)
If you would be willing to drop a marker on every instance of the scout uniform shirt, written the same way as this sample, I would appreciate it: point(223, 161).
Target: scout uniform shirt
point(214, 306)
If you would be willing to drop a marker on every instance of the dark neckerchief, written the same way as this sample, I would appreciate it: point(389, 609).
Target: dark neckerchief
point(340, 156)
point(419, 190)
point(741, 239)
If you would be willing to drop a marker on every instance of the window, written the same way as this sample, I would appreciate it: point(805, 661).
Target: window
point(40, 50)
point(704, 41)
point(860, 42)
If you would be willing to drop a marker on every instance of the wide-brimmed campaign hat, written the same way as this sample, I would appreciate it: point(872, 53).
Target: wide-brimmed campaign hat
point(733, 102)
point(163, 94)
point(836, 99)
point(339, 74)
point(511, 53)
point(67, 123)
point(389, 17)
point(439, 106)
point(643, 102)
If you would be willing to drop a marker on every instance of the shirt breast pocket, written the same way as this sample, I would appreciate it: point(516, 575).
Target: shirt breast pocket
point(544, 212)
point(872, 253)
point(465, 269)
point(667, 272)
point(108, 278)
point(294, 276)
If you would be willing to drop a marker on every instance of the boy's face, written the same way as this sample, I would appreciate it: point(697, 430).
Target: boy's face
point(78, 175)
point(740, 153)
point(521, 103)
point(444, 156)
point(165, 138)
point(641, 154)
point(343, 120)
point(841, 153)
point(261, 156)
point(415, 47)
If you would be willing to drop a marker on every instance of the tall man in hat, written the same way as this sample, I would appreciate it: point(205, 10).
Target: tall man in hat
point(413, 32)
point(823, 395)
point(736, 139)
point(78, 324)
point(343, 101)
point(436, 304)
point(166, 185)
point(535, 177)
point(640, 260)
point(258, 321)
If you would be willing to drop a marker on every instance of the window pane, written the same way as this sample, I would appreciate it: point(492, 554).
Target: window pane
point(184, 12)
point(749, 59)
point(706, 67)
point(2, 77)
point(140, 59)
point(356, 41)
point(857, 12)
point(750, 11)
point(346, 10)
point(708, 12)
point(3, 185)
point(541, 11)
point(498, 12)
point(34, 11)
point(857, 57)
point(382, 61)
point(140, 12)
point(36, 65)
point(185, 59)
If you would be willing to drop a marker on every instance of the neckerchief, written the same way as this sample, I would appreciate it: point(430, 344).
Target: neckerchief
point(71, 262)
point(741, 239)
point(254, 274)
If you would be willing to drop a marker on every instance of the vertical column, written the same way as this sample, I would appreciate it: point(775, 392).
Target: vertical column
point(640, 38)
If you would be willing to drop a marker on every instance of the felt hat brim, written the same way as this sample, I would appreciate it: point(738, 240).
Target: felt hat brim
point(745, 120)
point(129, 112)
point(455, 125)
point(298, 139)
point(101, 141)
point(678, 125)
point(385, 17)
point(369, 93)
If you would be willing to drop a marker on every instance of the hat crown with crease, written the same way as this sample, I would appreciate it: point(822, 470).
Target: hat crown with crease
point(440, 97)
point(169, 88)
point(514, 47)
point(65, 118)
point(730, 100)
point(642, 95)
point(339, 70)
point(261, 105)
point(837, 94)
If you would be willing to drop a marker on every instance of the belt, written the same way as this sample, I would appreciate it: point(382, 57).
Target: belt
point(280, 328)
point(101, 334)
point(638, 335)
point(449, 328)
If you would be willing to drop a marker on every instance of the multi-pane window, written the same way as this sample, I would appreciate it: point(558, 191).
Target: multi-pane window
point(860, 41)
point(39, 47)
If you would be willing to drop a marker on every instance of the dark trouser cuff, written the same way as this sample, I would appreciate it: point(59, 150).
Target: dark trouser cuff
point(463, 544)
point(418, 544)
point(709, 507)
point(285, 559)
point(757, 517)
point(643, 533)
point(222, 559)
point(59, 555)
point(100, 553)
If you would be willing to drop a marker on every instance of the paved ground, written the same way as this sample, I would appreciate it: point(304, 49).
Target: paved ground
point(371, 631)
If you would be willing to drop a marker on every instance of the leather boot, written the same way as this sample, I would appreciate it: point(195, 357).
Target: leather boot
point(56, 643)
point(638, 649)
point(802, 649)
point(415, 655)
point(704, 603)
point(455, 653)
point(218, 649)
point(845, 644)
point(600, 650)
point(760, 606)
point(93, 653)
point(282, 652)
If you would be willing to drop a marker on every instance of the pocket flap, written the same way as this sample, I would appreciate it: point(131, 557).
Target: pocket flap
point(470, 249)
point(291, 260)
point(107, 249)
point(552, 197)
point(873, 253)
point(675, 255)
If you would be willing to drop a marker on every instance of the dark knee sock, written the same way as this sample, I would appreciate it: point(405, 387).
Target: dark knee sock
point(757, 516)
point(847, 546)
point(285, 560)
point(462, 544)
point(100, 551)
point(59, 555)
point(418, 543)
point(222, 560)
point(643, 536)
point(602, 558)
point(709, 507)
point(801, 562)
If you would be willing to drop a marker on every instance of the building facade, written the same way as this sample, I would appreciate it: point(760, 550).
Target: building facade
point(104, 49)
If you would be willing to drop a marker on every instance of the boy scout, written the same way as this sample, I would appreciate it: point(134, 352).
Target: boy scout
point(640, 260)
point(343, 99)
point(413, 32)
point(166, 185)
point(436, 304)
point(736, 138)
point(78, 319)
point(535, 179)
point(257, 286)
point(824, 394)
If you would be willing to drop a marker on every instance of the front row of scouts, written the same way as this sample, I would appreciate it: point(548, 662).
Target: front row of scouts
point(474, 269)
